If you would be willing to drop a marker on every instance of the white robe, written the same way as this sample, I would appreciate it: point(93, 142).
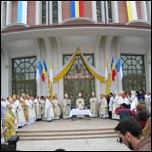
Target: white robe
point(3, 111)
point(57, 110)
point(115, 105)
point(134, 102)
point(103, 108)
point(94, 106)
point(80, 104)
point(20, 114)
point(37, 108)
point(31, 115)
point(49, 113)
point(66, 108)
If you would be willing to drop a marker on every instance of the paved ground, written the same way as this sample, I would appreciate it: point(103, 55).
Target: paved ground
point(98, 144)
point(77, 123)
point(103, 144)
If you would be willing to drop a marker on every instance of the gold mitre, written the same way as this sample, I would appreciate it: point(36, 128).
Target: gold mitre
point(23, 95)
point(17, 96)
point(27, 95)
point(66, 95)
point(14, 96)
point(80, 94)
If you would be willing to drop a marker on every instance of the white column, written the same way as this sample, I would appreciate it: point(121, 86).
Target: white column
point(6, 70)
point(94, 11)
point(115, 17)
point(143, 11)
point(8, 12)
point(51, 13)
point(38, 19)
point(3, 14)
point(97, 59)
point(149, 10)
point(24, 12)
point(59, 11)
point(103, 9)
point(60, 55)
point(38, 55)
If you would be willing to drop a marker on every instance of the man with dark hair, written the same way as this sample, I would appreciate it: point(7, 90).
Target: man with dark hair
point(130, 132)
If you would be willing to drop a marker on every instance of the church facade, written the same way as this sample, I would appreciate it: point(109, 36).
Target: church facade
point(54, 30)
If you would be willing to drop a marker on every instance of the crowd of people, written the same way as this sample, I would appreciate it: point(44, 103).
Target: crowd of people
point(19, 111)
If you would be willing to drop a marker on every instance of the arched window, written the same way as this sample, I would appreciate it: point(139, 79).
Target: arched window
point(134, 72)
point(24, 76)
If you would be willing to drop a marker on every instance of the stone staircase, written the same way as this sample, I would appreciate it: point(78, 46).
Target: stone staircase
point(66, 134)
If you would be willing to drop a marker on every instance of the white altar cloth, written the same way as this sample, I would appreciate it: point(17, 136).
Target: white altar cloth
point(77, 112)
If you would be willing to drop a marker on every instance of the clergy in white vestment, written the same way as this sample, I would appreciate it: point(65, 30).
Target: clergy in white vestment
point(123, 98)
point(56, 107)
point(134, 100)
point(37, 107)
point(94, 105)
point(103, 107)
point(49, 112)
point(20, 114)
point(3, 111)
point(148, 102)
point(80, 102)
point(115, 105)
point(29, 105)
point(33, 110)
point(66, 106)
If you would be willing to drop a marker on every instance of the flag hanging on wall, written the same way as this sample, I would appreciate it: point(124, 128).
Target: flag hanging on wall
point(106, 72)
point(77, 8)
point(113, 70)
point(39, 71)
point(119, 69)
point(50, 81)
point(44, 71)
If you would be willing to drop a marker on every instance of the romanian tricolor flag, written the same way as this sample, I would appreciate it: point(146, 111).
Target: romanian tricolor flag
point(113, 70)
point(44, 71)
point(39, 71)
point(77, 8)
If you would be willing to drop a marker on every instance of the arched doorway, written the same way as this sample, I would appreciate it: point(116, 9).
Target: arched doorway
point(79, 79)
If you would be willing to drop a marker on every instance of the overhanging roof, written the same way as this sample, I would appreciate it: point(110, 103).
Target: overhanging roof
point(75, 29)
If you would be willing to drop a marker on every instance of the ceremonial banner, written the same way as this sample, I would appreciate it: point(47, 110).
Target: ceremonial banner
point(77, 8)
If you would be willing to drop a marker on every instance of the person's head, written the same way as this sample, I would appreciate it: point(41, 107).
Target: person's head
point(124, 105)
point(60, 149)
point(129, 130)
point(140, 107)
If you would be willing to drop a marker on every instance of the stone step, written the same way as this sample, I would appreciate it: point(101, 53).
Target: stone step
point(65, 133)
point(68, 137)
point(69, 130)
